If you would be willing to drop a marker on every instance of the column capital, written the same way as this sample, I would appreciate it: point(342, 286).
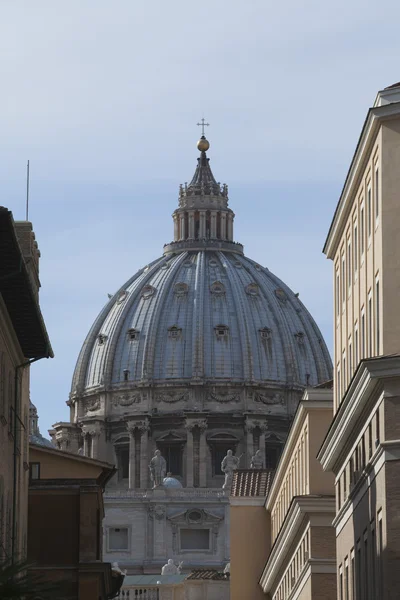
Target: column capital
point(92, 429)
point(192, 423)
point(251, 425)
point(142, 426)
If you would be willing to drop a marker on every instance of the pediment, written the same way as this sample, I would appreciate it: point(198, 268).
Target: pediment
point(202, 517)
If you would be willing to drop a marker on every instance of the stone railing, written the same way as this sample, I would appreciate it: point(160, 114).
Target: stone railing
point(144, 593)
point(169, 493)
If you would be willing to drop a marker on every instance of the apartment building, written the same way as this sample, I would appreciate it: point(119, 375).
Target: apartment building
point(362, 447)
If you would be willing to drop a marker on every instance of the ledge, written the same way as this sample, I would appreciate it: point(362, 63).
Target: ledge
point(203, 245)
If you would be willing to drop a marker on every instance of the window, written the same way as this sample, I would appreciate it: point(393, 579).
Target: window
point(118, 538)
point(377, 192)
point(338, 391)
point(340, 583)
point(126, 374)
point(174, 332)
point(122, 453)
point(172, 453)
point(380, 550)
point(337, 292)
point(344, 485)
point(343, 277)
point(265, 333)
point(362, 334)
point(369, 440)
point(101, 338)
point(362, 230)
point(221, 331)
point(346, 578)
point(369, 209)
point(344, 371)
point(272, 455)
point(339, 496)
point(373, 558)
point(34, 471)
point(358, 568)
point(377, 428)
point(356, 346)
point(349, 264)
point(369, 324)
point(366, 572)
point(355, 250)
point(353, 574)
point(377, 309)
point(219, 448)
point(133, 334)
point(350, 360)
point(194, 539)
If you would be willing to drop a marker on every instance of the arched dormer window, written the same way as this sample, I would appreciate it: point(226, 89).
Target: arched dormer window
point(133, 334)
point(221, 331)
point(102, 338)
point(174, 332)
point(265, 333)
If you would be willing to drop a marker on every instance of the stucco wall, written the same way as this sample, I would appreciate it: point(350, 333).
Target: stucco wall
point(250, 546)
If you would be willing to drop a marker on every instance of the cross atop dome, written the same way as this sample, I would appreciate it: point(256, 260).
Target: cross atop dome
point(203, 124)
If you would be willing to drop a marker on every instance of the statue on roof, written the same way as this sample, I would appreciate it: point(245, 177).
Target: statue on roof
point(229, 464)
point(158, 469)
point(257, 461)
point(171, 569)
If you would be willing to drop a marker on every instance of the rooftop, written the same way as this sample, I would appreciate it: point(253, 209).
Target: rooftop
point(252, 482)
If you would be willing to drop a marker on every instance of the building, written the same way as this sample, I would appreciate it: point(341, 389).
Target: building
point(23, 340)
point(362, 447)
point(205, 583)
point(201, 351)
point(65, 516)
point(282, 539)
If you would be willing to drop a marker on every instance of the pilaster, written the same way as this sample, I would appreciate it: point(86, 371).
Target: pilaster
point(143, 427)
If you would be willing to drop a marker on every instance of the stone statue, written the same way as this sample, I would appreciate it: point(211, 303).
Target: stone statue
point(171, 569)
point(158, 468)
point(257, 461)
point(227, 570)
point(116, 571)
point(229, 464)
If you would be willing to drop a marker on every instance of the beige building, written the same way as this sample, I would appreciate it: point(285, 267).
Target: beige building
point(282, 540)
point(362, 447)
point(23, 340)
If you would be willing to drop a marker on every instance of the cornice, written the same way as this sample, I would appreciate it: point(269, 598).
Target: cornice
point(247, 500)
point(301, 507)
point(312, 400)
point(354, 403)
point(374, 118)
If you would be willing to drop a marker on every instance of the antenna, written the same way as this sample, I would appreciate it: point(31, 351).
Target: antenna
point(27, 190)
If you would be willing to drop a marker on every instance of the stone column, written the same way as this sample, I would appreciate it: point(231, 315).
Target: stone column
point(191, 225)
point(262, 442)
point(85, 442)
point(181, 226)
point(203, 453)
point(202, 228)
point(230, 227)
point(189, 454)
point(131, 426)
point(143, 427)
point(249, 428)
point(176, 228)
point(213, 232)
point(223, 226)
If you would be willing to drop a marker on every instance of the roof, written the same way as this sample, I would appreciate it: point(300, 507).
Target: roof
point(18, 295)
point(145, 580)
point(108, 468)
point(251, 482)
point(212, 574)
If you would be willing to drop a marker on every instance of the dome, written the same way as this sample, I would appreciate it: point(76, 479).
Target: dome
point(35, 437)
point(171, 482)
point(203, 312)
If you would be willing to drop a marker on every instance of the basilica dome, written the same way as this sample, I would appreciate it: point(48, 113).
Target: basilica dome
point(203, 312)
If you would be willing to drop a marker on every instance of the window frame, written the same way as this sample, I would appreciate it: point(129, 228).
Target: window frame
point(115, 526)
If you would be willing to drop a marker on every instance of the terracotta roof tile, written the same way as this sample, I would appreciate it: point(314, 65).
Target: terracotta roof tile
point(207, 574)
point(252, 482)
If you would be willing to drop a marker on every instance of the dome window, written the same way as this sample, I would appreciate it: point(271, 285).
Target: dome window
point(221, 331)
point(126, 374)
point(213, 263)
point(174, 332)
point(265, 333)
point(148, 291)
point(252, 289)
point(122, 296)
point(133, 334)
point(238, 264)
point(181, 289)
point(217, 288)
point(281, 295)
point(300, 337)
point(101, 339)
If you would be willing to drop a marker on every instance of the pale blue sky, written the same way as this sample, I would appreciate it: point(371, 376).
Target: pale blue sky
point(103, 97)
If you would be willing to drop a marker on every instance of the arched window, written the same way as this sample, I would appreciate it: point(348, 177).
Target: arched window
point(219, 444)
point(122, 458)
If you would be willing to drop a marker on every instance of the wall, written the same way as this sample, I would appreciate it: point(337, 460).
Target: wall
point(60, 466)
point(250, 546)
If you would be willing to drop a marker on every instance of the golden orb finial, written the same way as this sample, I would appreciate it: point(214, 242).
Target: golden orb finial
point(203, 144)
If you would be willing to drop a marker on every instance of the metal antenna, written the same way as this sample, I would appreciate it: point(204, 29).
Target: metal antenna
point(27, 191)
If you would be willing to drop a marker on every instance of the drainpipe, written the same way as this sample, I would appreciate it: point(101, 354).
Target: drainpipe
point(16, 420)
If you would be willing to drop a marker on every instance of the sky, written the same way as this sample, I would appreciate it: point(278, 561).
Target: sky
point(103, 98)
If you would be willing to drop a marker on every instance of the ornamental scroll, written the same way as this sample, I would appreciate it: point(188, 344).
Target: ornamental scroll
point(224, 396)
point(268, 399)
point(171, 397)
